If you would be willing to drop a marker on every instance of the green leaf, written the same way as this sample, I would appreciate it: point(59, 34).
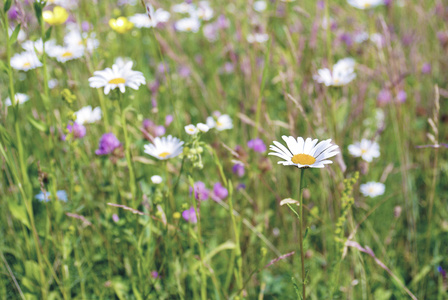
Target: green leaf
point(14, 35)
point(48, 34)
point(19, 212)
point(7, 5)
point(135, 292)
point(3, 66)
point(37, 124)
point(38, 10)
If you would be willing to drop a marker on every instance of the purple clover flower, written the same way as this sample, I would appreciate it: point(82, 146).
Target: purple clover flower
point(200, 191)
point(189, 215)
point(257, 145)
point(401, 96)
point(426, 68)
point(78, 130)
point(220, 191)
point(238, 169)
point(108, 143)
point(384, 96)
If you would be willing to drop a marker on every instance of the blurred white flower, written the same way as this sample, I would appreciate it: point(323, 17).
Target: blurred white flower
point(202, 127)
point(87, 115)
point(342, 74)
point(260, 5)
point(144, 21)
point(156, 179)
point(222, 122)
point(191, 129)
point(257, 38)
point(38, 46)
point(182, 8)
point(64, 54)
point(365, 149)
point(372, 189)
point(25, 61)
point(20, 37)
point(365, 4)
point(19, 97)
point(188, 25)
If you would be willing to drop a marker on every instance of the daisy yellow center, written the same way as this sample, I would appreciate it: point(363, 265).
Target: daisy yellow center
point(363, 151)
point(164, 154)
point(191, 129)
point(219, 124)
point(366, 5)
point(67, 54)
point(117, 80)
point(27, 64)
point(303, 159)
point(371, 190)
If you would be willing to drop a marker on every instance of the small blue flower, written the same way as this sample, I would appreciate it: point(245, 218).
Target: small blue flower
point(61, 195)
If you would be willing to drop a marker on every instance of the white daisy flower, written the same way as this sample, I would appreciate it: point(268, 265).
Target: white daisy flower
point(117, 77)
point(365, 149)
point(191, 129)
point(182, 8)
point(38, 46)
point(204, 12)
point(187, 25)
point(365, 4)
point(257, 38)
point(342, 74)
point(260, 6)
point(223, 122)
point(304, 153)
point(156, 179)
point(74, 38)
point(87, 115)
point(372, 189)
point(20, 99)
point(25, 61)
point(202, 127)
point(144, 21)
point(64, 54)
point(165, 147)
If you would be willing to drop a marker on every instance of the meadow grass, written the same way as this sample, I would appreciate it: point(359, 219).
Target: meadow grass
point(207, 223)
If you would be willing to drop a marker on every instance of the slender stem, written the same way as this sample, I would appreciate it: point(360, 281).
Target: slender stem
point(302, 256)
point(260, 96)
point(328, 32)
point(201, 251)
point(127, 150)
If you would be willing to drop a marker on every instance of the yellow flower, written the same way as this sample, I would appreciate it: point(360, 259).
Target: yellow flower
point(56, 17)
point(121, 25)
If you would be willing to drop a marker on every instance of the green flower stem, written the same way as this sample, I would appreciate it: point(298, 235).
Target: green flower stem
point(201, 250)
point(302, 256)
point(328, 36)
point(127, 150)
point(238, 257)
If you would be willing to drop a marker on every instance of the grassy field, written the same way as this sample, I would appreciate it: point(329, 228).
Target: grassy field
point(164, 188)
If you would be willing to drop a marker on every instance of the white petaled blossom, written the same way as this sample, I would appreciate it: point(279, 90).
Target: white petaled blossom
point(151, 19)
point(203, 12)
point(25, 61)
point(365, 4)
point(156, 179)
point(188, 25)
point(365, 149)
point(372, 189)
point(182, 8)
point(342, 74)
point(260, 6)
point(258, 38)
point(223, 122)
point(191, 129)
point(20, 99)
point(117, 77)
point(87, 115)
point(304, 153)
point(38, 46)
point(164, 148)
point(202, 127)
point(74, 38)
point(64, 54)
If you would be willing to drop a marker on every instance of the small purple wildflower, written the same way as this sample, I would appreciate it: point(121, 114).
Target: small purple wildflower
point(78, 130)
point(220, 191)
point(85, 26)
point(189, 215)
point(257, 145)
point(115, 218)
point(384, 96)
point(441, 271)
point(200, 191)
point(168, 120)
point(426, 68)
point(154, 274)
point(184, 71)
point(108, 143)
point(153, 129)
point(401, 96)
point(13, 13)
point(238, 169)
